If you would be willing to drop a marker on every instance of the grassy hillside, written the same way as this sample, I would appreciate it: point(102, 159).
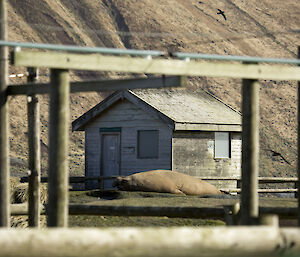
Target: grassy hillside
point(257, 28)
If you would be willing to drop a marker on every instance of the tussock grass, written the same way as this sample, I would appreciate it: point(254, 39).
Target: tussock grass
point(18, 195)
point(19, 191)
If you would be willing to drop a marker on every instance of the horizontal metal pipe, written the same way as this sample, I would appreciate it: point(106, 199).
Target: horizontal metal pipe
point(118, 51)
point(82, 49)
point(150, 242)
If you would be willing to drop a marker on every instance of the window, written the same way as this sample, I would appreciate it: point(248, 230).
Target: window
point(148, 144)
point(222, 145)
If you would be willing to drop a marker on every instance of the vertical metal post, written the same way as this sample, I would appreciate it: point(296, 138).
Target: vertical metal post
point(58, 156)
point(4, 140)
point(34, 160)
point(250, 152)
point(298, 168)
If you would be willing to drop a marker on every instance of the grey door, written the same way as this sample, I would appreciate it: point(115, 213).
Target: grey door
point(110, 159)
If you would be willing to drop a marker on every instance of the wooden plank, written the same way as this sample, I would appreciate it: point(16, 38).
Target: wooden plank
point(58, 152)
point(157, 211)
point(250, 151)
point(298, 145)
point(151, 242)
point(101, 85)
point(4, 121)
point(269, 220)
point(153, 66)
point(73, 179)
point(22, 209)
point(149, 211)
point(34, 158)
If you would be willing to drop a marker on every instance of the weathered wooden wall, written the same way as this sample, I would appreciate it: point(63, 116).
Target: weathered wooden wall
point(131, 119)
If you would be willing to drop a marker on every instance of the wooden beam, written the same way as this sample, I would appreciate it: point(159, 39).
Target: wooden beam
point(250, 151)
point(34, 157)
point(151, 242)
point(269, 220)
point(73, 179)
point(21, 209)
point(171, 212)
point(58, 150)
point(153, 66)
point(156, 211)
point(298, 144)
point(4, 136)
point(101, 85)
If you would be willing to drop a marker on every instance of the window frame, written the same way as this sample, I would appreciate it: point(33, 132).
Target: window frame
point(156, 156)
point(229, 145)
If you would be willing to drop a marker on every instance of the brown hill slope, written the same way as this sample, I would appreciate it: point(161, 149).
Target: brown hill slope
point(257, 28)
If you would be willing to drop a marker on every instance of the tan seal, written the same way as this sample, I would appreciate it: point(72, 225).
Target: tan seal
point(165, 181)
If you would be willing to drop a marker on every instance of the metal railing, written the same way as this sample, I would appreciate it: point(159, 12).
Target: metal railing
point(148, 53)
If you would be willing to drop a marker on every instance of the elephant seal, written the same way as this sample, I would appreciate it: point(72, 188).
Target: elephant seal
point(165, 181)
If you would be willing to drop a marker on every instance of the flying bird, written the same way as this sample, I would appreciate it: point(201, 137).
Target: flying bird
point(222, 13)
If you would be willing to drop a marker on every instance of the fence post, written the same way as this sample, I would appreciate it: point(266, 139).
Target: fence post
point(250, 150)
point(269, 220)
point(58, 155)
point(4, 140)
point(34, 160)
point(298, 168)
point(232, 214)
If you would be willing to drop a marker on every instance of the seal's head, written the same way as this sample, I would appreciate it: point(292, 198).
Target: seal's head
point(121, 183)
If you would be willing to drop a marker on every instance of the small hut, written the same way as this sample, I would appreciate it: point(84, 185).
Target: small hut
point(140, 130)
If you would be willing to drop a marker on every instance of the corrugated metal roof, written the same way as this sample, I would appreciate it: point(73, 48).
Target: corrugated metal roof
point(185, 106)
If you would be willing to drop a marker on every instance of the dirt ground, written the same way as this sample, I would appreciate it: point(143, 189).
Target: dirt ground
point(123, 198)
